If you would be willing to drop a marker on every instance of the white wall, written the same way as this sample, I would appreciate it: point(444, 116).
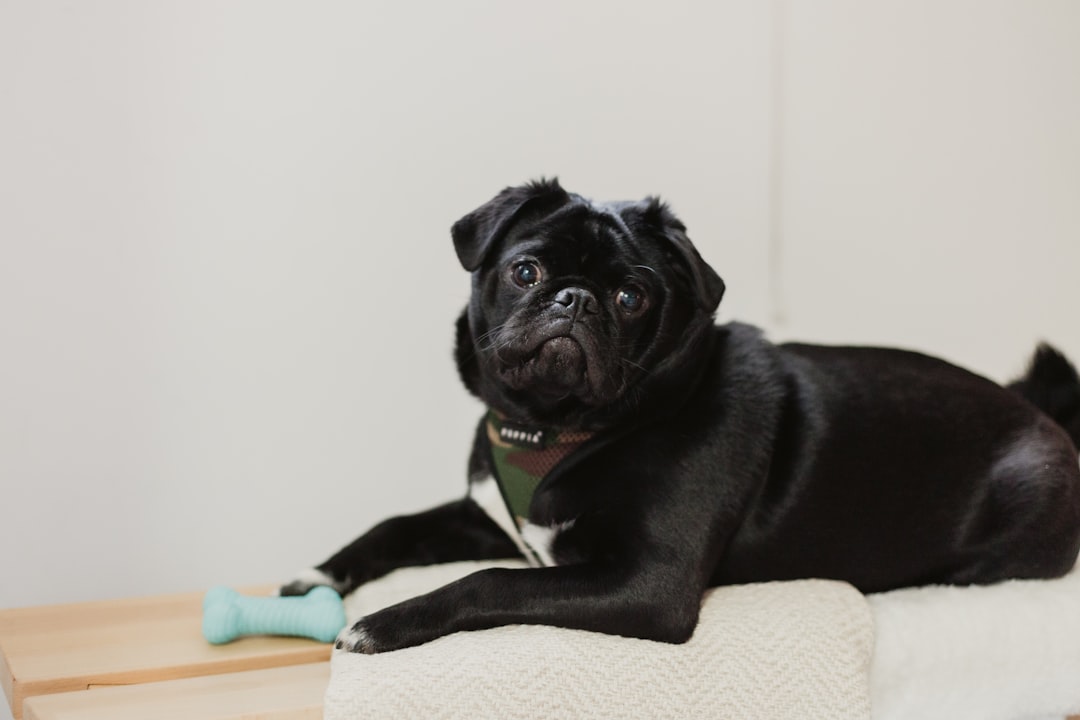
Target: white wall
point(930, 176)
point(226, 282)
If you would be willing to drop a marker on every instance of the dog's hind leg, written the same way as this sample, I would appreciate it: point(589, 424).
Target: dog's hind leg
point(1028, 523)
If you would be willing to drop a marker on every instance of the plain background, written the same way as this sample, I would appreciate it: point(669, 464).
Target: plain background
point(227, 288)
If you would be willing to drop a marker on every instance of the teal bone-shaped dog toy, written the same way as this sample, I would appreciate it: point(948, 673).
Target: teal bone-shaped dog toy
point(227, 615)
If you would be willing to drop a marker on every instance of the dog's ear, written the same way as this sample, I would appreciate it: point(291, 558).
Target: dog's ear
point(657, 216)
point(475, 234)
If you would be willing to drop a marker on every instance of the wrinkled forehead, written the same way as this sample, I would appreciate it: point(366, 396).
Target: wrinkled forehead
point(583, 229)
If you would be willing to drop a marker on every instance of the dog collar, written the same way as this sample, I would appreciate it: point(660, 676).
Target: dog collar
point(523, 456)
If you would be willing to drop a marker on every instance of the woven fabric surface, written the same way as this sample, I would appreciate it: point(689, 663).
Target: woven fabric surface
point(776, 650)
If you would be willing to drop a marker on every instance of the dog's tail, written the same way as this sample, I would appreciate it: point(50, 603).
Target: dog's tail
point(1052, 384)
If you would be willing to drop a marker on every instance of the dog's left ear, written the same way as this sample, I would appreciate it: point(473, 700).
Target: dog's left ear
point(475, 234)
point(658, 217)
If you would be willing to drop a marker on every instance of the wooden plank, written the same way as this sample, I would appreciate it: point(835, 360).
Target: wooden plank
point(7, 681)
point(61, 648)
point(286, 693)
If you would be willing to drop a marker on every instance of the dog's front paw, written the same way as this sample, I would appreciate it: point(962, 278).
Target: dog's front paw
point(306, 580)
point(357, 639)
point(393, 628)
point(400, 626)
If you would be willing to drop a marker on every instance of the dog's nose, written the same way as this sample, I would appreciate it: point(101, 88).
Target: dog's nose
point(577, 300)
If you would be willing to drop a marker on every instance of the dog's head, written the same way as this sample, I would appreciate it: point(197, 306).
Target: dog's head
point(579, 309)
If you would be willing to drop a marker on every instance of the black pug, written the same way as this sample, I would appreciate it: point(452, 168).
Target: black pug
point(638, 454)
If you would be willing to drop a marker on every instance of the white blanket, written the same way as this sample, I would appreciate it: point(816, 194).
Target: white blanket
point(1001, 652)
point(775, 650)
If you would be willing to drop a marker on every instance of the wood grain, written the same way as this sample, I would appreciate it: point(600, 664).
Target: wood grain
point(287, 693)
point(61, 648)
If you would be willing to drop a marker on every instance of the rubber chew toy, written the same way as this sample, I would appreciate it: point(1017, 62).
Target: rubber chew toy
point(227, 615)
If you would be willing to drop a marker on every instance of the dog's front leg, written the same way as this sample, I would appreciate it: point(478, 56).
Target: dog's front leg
point(651, 605)
point(448, 533)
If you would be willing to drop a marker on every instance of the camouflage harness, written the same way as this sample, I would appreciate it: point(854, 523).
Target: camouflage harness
point(522, 457)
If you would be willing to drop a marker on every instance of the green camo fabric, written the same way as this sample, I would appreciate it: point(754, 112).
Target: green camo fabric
point(523, 458)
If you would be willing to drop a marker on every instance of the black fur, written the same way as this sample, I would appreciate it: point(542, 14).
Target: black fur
point(719, 456)
point(1052, 385)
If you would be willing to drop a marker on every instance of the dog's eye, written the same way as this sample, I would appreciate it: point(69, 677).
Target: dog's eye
point(630, 298)
point(525, 273)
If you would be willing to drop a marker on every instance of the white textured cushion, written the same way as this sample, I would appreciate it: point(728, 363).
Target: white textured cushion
point(775, 650)
point(1001, 652)
point(800, 649)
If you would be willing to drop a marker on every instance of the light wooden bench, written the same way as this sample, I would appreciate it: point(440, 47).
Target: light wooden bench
point(146, 657)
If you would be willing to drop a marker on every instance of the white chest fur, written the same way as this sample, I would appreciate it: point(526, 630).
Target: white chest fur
point(534, 541)
point(542, 540)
